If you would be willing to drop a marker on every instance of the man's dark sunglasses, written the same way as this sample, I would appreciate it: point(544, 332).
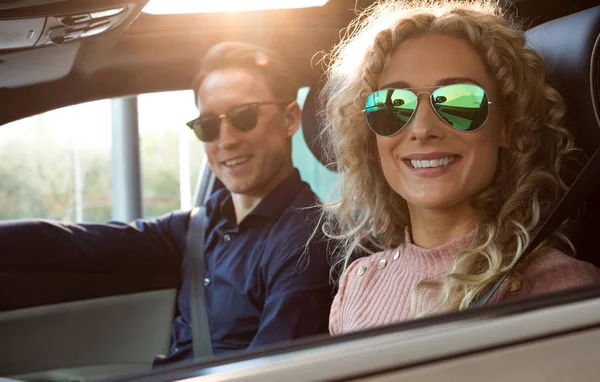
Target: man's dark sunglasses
point(463, 107)
point(242, 118)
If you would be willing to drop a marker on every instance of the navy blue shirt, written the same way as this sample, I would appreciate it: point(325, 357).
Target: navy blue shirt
point(263, 285)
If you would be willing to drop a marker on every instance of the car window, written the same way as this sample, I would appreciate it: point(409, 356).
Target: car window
point(54, 165)
point(57, 164)
point(171, 155)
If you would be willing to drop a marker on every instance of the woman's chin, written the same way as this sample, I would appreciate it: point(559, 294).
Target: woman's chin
point(440, 204)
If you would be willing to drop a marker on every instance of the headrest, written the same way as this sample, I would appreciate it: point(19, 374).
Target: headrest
point(570, 49)
point(311, 127)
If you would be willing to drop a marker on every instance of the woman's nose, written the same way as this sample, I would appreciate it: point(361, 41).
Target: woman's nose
point(425, 124)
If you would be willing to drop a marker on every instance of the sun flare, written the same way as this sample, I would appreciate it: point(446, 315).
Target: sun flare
point(189, 6)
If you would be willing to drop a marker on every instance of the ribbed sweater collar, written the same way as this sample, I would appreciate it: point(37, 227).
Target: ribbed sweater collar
point(431, 262)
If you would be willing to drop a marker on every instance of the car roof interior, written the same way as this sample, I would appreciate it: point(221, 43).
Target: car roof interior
point(142, 53)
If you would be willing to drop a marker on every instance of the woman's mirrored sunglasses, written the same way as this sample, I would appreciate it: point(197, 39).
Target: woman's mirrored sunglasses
point(242, 118)
point(462, 106)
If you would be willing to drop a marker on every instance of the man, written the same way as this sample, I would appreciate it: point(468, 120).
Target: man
point(262, 284)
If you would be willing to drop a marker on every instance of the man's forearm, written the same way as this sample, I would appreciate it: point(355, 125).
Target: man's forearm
point(45, 245)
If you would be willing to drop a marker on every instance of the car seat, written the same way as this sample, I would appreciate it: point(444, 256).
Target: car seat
point(570, 49)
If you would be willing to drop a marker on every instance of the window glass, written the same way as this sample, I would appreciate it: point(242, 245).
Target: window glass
point(170, 153)
point(321, 179)
point(57, 164)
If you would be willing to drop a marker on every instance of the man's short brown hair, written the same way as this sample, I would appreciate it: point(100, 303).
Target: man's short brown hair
point(232, 54)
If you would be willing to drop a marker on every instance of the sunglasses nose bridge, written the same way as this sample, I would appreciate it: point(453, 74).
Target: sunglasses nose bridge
point(421, 104)
point(424, 120)
point(419, 96)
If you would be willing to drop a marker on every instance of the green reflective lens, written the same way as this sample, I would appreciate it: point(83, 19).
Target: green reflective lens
point(389, 110)
point(462, 106)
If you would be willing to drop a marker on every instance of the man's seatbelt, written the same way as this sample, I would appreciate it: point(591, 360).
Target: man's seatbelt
point(579, 190)
point(194, 252)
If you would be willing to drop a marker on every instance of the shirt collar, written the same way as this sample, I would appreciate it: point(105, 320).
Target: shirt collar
point(274, 204)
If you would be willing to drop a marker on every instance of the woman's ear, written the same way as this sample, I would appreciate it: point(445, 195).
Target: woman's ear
point(293, 117)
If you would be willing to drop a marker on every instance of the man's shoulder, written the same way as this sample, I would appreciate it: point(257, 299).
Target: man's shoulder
point(304, 210)
point(296, 238)
point(298, 223)
point(306, 196)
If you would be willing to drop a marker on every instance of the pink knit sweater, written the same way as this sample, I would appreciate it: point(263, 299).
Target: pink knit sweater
point(376, 290)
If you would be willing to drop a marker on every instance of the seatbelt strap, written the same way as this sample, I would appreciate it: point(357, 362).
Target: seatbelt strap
point(579, 190)
point(194, 252)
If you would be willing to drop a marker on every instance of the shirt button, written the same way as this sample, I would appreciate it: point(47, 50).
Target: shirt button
point(362, 270)
point(397, 255)
point(227, 237)
point(515, 285)
point(206, 281)
point(382, 264)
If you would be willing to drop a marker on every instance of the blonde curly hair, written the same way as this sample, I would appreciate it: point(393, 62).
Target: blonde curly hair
point(529, 178)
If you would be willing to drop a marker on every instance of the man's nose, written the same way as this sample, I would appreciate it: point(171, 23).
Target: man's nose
point(228, 135)
point(425, 124)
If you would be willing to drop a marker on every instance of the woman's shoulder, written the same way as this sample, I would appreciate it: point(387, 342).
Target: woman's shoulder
point(361, 267)
point(550, 272)
point(561, 266)
point(349, 284)
point(371, 260)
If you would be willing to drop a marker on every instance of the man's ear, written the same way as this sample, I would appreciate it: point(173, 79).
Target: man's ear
point(293, 118)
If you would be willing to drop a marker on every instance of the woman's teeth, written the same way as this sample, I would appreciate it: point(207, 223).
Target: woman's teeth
point(433, 162)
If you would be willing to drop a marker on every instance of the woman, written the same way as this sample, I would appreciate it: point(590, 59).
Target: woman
point(452, 153)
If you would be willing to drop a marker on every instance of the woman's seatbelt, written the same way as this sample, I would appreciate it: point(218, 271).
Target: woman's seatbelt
point(579, 190)
point(194, 252)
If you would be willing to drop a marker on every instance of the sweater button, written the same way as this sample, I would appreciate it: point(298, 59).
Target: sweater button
point(515, 285)
point(397, 255)
point(362, 270)
point(382, 263)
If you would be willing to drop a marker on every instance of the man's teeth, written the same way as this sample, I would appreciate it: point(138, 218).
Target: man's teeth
point(432, 163)
point(236, 161)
